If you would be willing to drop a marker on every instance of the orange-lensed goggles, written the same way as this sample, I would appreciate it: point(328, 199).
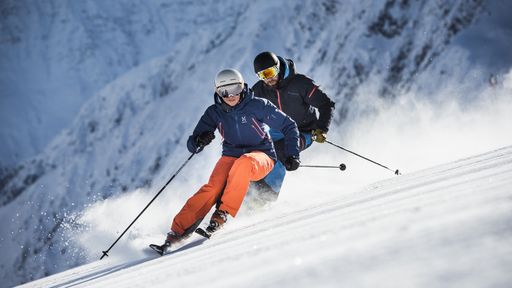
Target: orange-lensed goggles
point(230, 90)
point(268, 73)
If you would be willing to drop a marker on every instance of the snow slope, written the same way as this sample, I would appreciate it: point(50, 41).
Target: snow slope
point(447, 226)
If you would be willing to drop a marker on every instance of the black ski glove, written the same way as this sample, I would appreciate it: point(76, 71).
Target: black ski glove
point(205, 138)
point(292, 163)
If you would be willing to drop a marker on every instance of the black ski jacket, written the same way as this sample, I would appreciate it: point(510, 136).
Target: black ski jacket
point(298, 96)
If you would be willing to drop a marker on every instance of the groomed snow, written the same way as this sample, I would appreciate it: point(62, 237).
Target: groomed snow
point(447, 226)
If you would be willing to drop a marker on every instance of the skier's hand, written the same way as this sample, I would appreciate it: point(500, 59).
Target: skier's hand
point(319, 135)
point(205, 138)
point(292, 163)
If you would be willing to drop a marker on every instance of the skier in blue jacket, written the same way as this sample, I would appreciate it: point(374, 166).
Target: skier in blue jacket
point(248, 153)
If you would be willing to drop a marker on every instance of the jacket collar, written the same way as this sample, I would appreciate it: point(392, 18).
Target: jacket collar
point(286, 71)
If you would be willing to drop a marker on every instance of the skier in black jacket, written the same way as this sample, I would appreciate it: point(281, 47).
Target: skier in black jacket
point(300, 98)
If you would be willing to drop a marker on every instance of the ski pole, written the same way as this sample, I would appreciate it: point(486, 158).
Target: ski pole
point(342, 166)
point(105, 253)
point(338, 146)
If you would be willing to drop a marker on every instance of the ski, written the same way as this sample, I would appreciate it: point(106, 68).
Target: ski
point(203, 233)
point(160, 249)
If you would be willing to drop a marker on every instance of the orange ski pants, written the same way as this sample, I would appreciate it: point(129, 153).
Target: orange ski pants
point(231, 175)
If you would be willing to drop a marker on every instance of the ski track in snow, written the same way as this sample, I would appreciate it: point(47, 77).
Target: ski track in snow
point(448, 226)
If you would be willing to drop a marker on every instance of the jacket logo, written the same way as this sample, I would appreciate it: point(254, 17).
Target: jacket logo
point(244, 119)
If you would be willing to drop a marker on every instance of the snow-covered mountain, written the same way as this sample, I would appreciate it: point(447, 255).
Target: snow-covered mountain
point(447, 226)
point(399, 81)
point(54, 55)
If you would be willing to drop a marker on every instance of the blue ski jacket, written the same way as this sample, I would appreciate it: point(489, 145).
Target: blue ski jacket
point(244, 127)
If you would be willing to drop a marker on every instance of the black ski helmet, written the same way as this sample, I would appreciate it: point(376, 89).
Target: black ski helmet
point(265, 60)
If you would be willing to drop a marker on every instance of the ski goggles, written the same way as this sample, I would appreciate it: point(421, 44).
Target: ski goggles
point(268, 73)
point(230, 90)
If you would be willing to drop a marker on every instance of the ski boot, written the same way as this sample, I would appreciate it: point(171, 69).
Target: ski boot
point(218, 219)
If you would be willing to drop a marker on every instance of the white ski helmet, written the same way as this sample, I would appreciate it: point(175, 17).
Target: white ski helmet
point(229, 82)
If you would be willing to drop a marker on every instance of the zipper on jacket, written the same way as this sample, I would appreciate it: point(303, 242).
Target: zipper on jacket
point(237, 128)
point(279, 100)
